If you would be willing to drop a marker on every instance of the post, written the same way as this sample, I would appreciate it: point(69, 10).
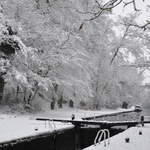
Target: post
point(77, 137)
point(142, 121)
point(2, 83)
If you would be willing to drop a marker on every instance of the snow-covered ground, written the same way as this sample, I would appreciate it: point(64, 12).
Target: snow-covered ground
point(20, 126)
point(15, 127)
point(137, 142)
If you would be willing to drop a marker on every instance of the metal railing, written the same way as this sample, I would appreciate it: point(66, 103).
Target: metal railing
point(104, 133)
point(51, 124)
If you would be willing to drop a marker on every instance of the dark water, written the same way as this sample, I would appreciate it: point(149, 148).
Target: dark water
point(87, 136)
point(71, 139)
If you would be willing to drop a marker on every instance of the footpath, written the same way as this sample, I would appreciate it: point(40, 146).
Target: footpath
point(134, 138)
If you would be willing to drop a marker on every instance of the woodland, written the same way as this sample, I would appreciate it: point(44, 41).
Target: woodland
point(76, 53)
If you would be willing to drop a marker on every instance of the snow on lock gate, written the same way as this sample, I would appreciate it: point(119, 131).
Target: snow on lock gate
point(68, 139)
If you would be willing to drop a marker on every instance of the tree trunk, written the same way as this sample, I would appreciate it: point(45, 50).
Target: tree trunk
point(34, 95)
point(17, 93)
point(2, 83)
point(60, 101)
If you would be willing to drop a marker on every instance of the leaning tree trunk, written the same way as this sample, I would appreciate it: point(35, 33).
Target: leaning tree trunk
point(1, 88)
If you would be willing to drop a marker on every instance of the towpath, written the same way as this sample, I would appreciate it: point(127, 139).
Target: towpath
point(136, 141)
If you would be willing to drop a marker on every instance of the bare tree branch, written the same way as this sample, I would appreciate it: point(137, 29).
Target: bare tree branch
point(126, 3)
point(65, 41)
point(108, 6)
point(134, 5)
point(131, 2)
point(120, 44)
point(86, 12)
point(138, 65)
point(144, 27)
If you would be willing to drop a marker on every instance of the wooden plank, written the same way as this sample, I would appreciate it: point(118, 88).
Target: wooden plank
point(112, 114)
point(101, 123)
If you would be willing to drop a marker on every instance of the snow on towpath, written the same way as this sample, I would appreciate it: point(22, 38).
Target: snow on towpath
point(137, 142)
point(16, 127)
